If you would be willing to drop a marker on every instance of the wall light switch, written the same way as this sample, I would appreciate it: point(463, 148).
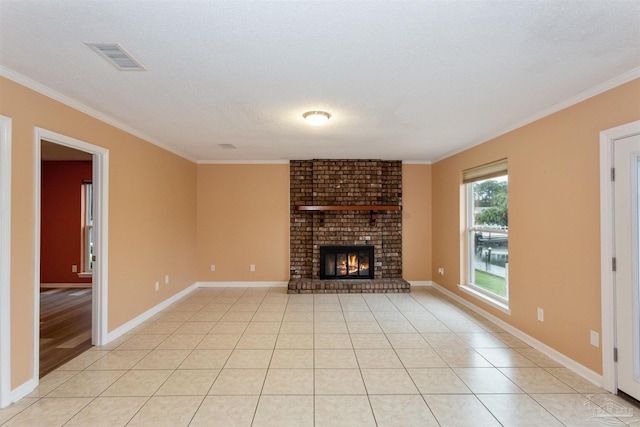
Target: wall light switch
point(540, 314)
point(74, 268)
point(213, 267)
point(595, 339)
point(252, 267)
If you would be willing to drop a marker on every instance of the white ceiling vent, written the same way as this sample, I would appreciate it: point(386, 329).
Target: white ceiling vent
point(116, 56)
point(227, 146)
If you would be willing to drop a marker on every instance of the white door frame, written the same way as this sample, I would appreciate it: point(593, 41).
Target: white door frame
point(100, 227)
point(5, 261)
point(607, 276)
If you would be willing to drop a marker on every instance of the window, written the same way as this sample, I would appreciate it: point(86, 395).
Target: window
point(487, 232)
point(87, 227)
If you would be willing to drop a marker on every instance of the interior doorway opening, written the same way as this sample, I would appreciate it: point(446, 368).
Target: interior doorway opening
point(66, 251)
point(99, 248)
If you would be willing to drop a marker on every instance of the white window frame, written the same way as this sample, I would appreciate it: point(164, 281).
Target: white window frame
point(481, 173)
point(87, 229)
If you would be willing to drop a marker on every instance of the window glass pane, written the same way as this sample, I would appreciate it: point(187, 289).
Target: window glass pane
point(490, 261)
point(490, 201)
point(488, 239)
point(89, 203)
point(90, 245)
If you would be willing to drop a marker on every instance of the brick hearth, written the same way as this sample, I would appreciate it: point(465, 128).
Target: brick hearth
point(366, 286)
point(346, 183)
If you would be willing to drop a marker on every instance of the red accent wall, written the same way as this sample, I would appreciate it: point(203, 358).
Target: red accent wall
point(61, 220)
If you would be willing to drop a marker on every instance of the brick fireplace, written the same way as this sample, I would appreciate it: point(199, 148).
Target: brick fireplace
point(352, 203)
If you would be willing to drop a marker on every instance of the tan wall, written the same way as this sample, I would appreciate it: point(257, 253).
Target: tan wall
point(416, 222)
point(243, 219)
point(152, 215)
point(554, 220)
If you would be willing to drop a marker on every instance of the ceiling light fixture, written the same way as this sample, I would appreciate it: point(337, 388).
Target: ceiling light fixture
point(316, 118)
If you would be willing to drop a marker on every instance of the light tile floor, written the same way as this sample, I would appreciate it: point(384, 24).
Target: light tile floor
point(259, 357)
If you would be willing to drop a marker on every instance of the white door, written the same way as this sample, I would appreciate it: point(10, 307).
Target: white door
point(627, 253)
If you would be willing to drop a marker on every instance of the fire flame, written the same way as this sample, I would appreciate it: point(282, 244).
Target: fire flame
point(353, 264)
point(348, 265)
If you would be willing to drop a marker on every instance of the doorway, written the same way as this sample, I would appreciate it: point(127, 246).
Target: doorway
point(66, 248)
point(619, 187)
point(90, 303)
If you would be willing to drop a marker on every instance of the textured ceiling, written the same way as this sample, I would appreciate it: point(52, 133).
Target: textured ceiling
point(410, 80)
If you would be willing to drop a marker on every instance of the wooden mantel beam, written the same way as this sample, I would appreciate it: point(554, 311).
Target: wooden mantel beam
point(349, 208)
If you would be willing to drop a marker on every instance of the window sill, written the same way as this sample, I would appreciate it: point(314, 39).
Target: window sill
point(486, 299)
point(85, 274)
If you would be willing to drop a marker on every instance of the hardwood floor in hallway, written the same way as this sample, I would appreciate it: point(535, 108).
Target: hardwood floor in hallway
point(65, 326)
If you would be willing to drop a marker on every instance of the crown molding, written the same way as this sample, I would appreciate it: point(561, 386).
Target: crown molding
point(76, 105)
point(582, 96)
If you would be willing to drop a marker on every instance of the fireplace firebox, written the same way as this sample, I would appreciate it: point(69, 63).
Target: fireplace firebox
point(346, 262)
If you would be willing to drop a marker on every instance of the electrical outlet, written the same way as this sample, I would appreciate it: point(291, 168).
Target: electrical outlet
point(252, 267)
point(441, 271)
point(213, 267)
point(166, 279)
point(74, 268)
point(157, 286)
point(540, 314)
point(595, 339)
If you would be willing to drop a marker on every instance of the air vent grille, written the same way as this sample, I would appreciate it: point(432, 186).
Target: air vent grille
point(227, 146)
point(116, 56)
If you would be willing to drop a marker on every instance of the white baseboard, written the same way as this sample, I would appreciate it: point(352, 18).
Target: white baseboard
point(23, 390)
point(569, 363)
point(65, 285)
point(123, 329)
point(420, 283)
point(136, 321)
point(242, 284)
